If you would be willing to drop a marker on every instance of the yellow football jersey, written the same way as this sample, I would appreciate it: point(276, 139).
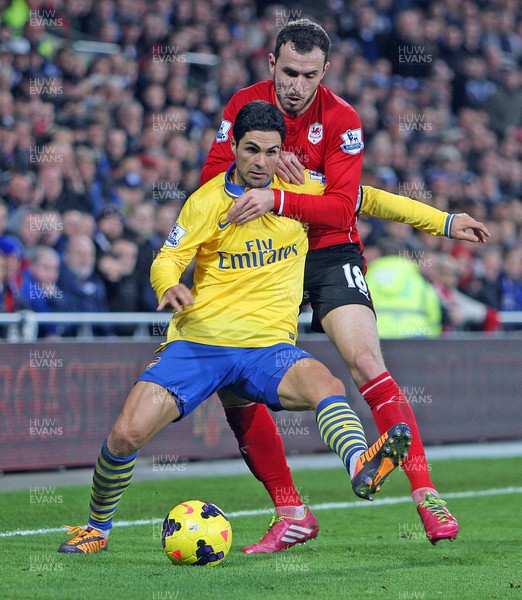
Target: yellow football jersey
point(248, 281)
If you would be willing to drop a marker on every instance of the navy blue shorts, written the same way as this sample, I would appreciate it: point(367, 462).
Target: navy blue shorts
point(193, 372)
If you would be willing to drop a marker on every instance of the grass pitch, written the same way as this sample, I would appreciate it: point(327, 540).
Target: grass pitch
point(363, 550)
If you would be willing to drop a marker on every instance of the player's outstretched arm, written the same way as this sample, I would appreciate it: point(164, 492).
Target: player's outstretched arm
point(177, 296)
point(392, 207)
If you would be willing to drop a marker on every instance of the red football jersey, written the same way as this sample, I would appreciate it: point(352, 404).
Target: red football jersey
point(326, 138)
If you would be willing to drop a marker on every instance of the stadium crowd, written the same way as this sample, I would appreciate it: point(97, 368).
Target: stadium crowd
point(108, 109)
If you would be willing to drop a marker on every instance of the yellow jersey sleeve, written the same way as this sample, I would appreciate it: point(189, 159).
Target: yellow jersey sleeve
point(194, 227)
point(392, 207)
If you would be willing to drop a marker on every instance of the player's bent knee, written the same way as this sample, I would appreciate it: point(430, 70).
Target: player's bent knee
point(332, 386)
point(327, 387)
point(368, 364)
point(335, 387)
point(125, 439)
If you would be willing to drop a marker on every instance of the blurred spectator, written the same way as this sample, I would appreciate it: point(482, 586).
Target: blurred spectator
point(115, 146)
point(465, 259)
point(76, 223)
point(19, 190)
point(118, 269)
point(129, 117)
point(13, 252)
point(83, 288)
point(504, 106)
point(485, 286)
point(511, 280)
point(52, 229)
point(407, 47)
point(57, 195)
point(166, 215)
point(91, 183)
point(109, 227)
point(474, 87)
point(128, 192)
point(460, 312)
point(40, 292)
point(3, 217)
point(140, 229)
point(26, 223)
point(3, 281)
point(8, 139)
point(366, 31)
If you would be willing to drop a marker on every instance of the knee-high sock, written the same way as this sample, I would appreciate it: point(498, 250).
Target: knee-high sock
point(389, 406)
point(341, 429)
point(112, 475)
point(263, 451)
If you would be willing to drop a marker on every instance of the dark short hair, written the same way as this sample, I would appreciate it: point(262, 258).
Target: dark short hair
point(259, 116)
point(305, 35)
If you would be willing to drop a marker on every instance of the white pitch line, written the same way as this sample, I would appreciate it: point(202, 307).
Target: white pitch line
point(259, 512)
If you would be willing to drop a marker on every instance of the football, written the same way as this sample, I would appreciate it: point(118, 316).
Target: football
point(196, 533)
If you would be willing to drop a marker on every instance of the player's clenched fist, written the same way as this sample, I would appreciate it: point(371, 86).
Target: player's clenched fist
point(177, 296)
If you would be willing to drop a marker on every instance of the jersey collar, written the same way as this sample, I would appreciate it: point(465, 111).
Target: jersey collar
point(234, 190)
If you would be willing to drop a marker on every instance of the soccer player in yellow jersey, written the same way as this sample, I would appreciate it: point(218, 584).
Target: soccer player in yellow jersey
point(235, 330)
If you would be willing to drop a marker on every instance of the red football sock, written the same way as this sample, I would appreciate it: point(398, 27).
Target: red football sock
point(390, 406)
point(263, 451)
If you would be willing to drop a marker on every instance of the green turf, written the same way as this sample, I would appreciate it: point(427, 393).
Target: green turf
point(365, 552)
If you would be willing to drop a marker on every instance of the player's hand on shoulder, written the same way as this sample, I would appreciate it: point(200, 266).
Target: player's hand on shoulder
point(251, 205)
point(290, 169)
point(177, 297)
point(462, 223)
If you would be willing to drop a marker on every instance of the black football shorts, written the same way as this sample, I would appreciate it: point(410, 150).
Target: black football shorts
point(334, 276)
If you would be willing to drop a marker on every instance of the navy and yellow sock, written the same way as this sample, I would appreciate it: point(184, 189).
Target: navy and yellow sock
point(112, 476)
point(341, 429)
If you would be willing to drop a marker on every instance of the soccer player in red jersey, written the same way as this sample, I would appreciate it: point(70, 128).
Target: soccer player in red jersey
point(324, 134)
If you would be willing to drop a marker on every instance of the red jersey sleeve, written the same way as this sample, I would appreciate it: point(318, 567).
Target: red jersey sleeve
point(342, 168)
